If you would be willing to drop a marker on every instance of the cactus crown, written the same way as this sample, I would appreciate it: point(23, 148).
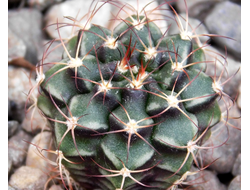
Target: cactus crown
point(128, 107)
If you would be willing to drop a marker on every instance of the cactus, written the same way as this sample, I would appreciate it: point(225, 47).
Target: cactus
point(128, 107)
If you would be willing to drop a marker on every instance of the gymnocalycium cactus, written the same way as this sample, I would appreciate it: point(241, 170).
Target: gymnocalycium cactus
point(129, 107)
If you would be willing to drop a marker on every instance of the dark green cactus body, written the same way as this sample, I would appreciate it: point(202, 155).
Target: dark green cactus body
point(139, 121)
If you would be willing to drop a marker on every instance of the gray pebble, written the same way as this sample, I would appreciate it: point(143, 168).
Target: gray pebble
point(18, 88)
point(42, 4)
point(16, 46)
point(17, 148)
point(235, 184)
point(11, 188)
point(26, 23)
point(205, 180)
point(237, 166)
point(12, 127)
point(9, 165)
point(180, 5)
point(226, 153)
point(225, 20)
point(239, 98)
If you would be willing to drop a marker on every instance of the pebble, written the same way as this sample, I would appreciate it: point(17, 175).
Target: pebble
point(237, 166)
point(71, 8)
point(9, 165)
point(42, 4)
point(239, 97)
point(12, 127)
point(28, 178)
point(205, 179)
point(226, 15)
point(18, 88)
point(34, 159)
point(18, 84)
point(26, 23)
point(235, 184)
point(180, 5)
point(11, 188)
point(55, 187)
point(16, 46)
point(201, 9)
point(17, 148)
point(226, 153)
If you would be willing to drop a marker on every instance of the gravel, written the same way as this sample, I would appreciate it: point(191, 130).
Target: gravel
point(27, 40)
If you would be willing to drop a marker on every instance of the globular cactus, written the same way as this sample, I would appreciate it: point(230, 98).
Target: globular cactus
point(129, 107)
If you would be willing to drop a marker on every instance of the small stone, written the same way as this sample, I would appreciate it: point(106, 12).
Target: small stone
point(201, 9)
point(190, 3)
point(235, 184)
point(205, 179)
point(11, 188)
point(229, 141)
point(42, 4)
point(72, 8)
point(19, 86)
point(34, 159)
point(237, 166)
point(239, 98)
point(9, 109)
point(55, 187)
point(26, 23)
point(12, 127)
point(225, 20)
point(16, 46)
point(28, 178)
point(9, 165)
point(17, 148)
